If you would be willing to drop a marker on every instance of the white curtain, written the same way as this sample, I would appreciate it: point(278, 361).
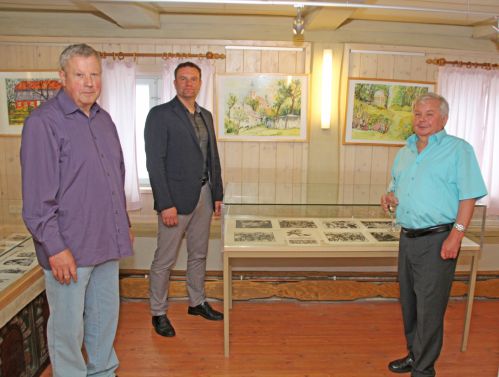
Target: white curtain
point(118, 98)
point(473, 96)
point(205, 97)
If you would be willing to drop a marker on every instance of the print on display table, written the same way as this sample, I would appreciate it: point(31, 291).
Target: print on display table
point(379, 112)
point(385, 236)
point(292, 223)
point(253, 224)
point(254, 237)
point(379, 224)
point(337, 237)
point(340, 224)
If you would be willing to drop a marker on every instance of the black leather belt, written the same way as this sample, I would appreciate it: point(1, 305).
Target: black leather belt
point(203, 181)
point(413, 233)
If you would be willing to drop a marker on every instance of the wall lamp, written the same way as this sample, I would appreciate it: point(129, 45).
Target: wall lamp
point(326, 90)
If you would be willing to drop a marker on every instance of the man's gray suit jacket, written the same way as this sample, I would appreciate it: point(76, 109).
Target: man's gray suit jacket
point(175, 160)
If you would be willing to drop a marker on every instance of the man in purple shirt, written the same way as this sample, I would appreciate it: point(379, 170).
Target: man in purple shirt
point(74, 206)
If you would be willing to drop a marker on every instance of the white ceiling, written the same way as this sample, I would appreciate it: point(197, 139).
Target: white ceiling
point(319, 15)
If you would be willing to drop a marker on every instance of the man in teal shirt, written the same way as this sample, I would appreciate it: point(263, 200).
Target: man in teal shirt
point(435, 183)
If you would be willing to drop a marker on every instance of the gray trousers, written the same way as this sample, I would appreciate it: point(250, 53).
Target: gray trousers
point(425, 281)
point(196, 227)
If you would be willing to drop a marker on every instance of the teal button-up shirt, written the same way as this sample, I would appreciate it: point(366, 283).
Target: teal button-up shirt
point(430, 184)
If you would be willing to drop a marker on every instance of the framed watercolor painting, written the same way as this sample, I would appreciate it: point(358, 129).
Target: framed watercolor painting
point(262, 107)
point(379, 112)
point(20, 93)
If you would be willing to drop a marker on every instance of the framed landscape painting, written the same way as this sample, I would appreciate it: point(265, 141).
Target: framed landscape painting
point(20, 93)
point(262, 107)
point(379, 112)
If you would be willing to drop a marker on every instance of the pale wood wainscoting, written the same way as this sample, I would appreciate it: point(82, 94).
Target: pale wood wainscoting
point(303, 286)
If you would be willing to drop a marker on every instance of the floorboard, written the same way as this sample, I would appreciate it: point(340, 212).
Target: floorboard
point(295, 339)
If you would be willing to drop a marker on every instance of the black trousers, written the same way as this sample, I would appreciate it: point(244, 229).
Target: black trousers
point(425, 281)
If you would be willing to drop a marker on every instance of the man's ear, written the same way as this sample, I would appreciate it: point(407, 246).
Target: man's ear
point(62, 76)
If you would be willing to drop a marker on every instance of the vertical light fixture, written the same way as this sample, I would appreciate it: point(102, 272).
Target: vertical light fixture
point(298, 22)
point(326, 92)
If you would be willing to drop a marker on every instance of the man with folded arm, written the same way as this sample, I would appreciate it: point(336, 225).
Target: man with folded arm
point(435, 183)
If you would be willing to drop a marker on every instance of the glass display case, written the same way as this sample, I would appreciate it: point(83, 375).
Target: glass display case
point(17, 257)
point(320, 225)
point(319, 232)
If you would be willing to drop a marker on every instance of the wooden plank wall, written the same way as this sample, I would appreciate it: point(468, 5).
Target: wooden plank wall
point(263, 171)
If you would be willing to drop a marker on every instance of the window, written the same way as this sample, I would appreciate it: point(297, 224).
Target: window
point(147, 95)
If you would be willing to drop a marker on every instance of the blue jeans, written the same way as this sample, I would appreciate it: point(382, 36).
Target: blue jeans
point(86, 311)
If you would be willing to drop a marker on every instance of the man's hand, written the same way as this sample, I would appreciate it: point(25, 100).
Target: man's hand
point(63, 267)
point(169, 216)
point(218, 208)
point(131, 235)
point(451, 246)
point(389, 202)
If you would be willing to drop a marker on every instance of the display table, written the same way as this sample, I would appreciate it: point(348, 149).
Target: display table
point(295, 234)
point(23, 309)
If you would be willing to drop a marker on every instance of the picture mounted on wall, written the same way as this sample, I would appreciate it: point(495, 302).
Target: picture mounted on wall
point(20, 93)
point(262, 107)
point(379, 112)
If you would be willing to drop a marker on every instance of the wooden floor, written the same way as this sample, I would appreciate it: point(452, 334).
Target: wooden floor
point(291, 339)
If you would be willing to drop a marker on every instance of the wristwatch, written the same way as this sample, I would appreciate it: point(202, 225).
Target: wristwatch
point(459, 227)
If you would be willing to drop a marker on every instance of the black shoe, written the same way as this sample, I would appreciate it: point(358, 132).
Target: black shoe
point(162, 325)
point(403, 365)
point(206, 311)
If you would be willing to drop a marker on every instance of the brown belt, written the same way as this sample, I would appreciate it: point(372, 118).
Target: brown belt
point(413, 233)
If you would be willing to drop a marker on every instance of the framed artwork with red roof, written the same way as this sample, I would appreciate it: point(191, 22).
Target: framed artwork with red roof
point(20, 93)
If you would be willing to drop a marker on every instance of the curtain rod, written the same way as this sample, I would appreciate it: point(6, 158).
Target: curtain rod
point(163, 55)
point(460, 63)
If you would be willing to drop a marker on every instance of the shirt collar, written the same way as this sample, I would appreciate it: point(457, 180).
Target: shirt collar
point(435, 138)
point(68, 106)
point(197, 108)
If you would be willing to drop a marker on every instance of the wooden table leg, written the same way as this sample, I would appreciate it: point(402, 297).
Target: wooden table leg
point(469, 303)
point(227, 298)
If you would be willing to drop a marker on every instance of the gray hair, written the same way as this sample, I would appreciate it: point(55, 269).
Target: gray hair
point(444, 105)
point(80, 49)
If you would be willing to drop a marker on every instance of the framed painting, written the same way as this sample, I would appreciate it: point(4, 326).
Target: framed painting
point(262, 107)
point(20, 93)
point(379, 112)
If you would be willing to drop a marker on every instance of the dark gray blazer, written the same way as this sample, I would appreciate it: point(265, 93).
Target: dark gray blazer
point(175, 160)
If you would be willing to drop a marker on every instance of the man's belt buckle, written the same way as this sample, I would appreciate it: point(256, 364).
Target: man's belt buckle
point(413, 233)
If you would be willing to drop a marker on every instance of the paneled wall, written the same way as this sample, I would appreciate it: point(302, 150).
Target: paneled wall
point(10, 186)
point(264, 171)
point(322, 168)
point(365, 170)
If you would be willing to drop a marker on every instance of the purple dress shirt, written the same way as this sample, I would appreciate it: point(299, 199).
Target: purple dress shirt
point(73, 183)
